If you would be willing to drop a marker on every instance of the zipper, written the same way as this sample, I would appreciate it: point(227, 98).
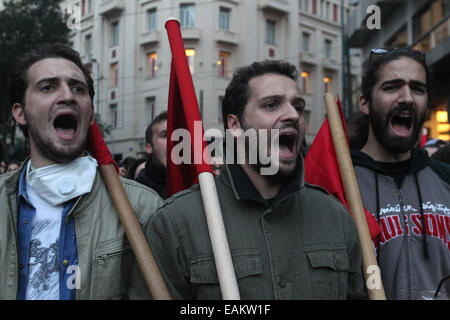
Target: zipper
point(109, 255)
point(408, 253)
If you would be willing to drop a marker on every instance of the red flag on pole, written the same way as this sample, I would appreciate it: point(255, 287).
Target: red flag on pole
point(96, 146)
point(183, 113)
point(321, 168)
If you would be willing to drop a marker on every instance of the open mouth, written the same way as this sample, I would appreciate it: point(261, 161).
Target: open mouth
point(402, 123)
point(66, 126)
point(287, 143)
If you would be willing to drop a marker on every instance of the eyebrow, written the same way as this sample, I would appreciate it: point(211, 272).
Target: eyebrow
point(280, 97)
point(56, 79)
point(401, 81)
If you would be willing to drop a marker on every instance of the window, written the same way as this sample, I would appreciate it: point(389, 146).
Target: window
point(224, 19)
point(152, 67)
point(306, 40)
point(152, 19)
point(327, 11)
point(150, 104)
point(113, 74)
point(190, 54)
point(115, 34)
point(270, 32)
point(328, 84)
point(223, 64)
point(327, 48)
point(187, 15)
point(335, 13)
point(306, 82)
point(400, 40)
point(114, 115)
point(88, 44)
point(314, 6)
point(83, 8)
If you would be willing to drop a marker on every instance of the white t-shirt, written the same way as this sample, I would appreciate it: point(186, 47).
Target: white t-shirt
point(43, 273)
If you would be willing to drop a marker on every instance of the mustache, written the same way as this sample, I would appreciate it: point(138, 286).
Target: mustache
point(400, 108)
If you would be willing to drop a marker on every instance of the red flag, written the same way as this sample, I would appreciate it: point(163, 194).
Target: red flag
point(96, 146)
point(322, 169)
point(423, 138)
point(183, 113)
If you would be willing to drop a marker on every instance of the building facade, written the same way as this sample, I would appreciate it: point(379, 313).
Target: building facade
point(419, 24)
point(125, 45)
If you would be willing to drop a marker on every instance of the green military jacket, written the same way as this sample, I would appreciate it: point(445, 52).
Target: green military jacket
point(301, 245)
point(105, 258)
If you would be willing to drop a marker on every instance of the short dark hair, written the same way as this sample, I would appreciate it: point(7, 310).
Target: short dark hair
point(237, 92)
point(19, 81)
point(149, 131)
point(377, 60)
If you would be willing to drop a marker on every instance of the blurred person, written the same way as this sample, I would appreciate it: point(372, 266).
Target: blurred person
point(434, 145)
point(61, 237)
point(406, 191)
point(12, 165)
point(154, 173)
point(136, 168)
point(443, 154)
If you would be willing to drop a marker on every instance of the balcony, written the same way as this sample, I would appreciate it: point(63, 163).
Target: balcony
point(111, 7)
point(228, 37)
point(190, 33)
point(330, 64)
point(308, 57)
point(150, 37)
point(279, 6)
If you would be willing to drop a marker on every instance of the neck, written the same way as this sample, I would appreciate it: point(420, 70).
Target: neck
point(266, 188)
point(378, 153)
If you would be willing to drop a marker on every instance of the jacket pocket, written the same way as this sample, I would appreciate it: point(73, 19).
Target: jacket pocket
point(204, 279)
point(329, 269)
point(113, 260)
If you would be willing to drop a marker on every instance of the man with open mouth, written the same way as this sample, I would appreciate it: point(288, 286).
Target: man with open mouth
point(406, 191)
point(288, 239)
point(60, 234)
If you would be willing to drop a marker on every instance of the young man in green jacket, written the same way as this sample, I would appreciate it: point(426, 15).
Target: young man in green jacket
point(288, 239)
point(60, 235)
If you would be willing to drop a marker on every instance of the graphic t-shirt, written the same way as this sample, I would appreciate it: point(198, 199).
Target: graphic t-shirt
point(43, 273)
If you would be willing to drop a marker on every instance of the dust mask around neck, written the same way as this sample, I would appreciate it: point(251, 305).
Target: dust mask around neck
point(60, 183)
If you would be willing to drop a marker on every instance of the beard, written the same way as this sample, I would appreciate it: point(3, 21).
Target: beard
point(49, 150)
point(284, 172)
point(381, 128)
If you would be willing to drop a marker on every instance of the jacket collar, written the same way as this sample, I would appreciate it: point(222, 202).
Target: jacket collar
point(419, 160)
point(234, 176)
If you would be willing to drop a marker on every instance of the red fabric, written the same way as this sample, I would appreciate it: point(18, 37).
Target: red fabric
point(423, 138)
point(182, 112)
point(322, 169)
point(96, 146)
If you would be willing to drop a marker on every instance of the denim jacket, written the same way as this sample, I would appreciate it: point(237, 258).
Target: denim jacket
point(67, 244)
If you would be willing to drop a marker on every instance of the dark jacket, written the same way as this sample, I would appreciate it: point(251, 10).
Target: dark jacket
point(409, 263)
point(153, 176)
point(301, 245)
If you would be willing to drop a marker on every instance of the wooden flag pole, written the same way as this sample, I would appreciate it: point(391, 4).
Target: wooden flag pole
point(371, 270)
point(134, 233)
point(218, 236)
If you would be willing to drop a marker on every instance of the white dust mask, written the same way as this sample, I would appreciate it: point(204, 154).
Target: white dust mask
point(60, 183)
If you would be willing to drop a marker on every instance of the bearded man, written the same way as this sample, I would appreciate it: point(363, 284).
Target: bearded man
point(288, 239)
point(406, 191)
